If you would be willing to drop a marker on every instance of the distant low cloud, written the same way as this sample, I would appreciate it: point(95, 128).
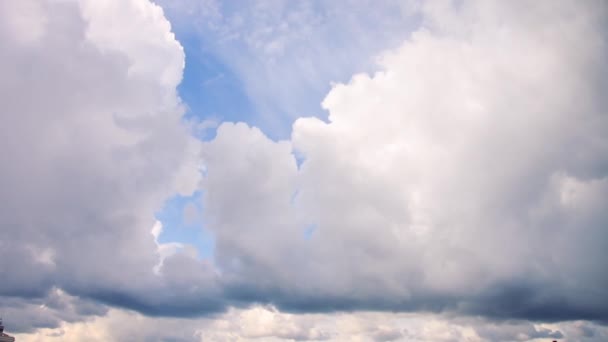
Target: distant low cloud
point(266, 323)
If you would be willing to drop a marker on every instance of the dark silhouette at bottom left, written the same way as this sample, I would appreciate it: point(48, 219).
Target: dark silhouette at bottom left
point(4, 337)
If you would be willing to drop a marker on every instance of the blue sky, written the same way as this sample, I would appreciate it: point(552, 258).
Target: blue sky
point(231, 74)
point(267, 63)
point(181, 218)
point(209, 88)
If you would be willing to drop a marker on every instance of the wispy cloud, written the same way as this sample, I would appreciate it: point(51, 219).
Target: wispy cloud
point(287, 54)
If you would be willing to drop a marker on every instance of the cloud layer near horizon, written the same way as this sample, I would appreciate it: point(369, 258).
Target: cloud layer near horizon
point(469, 176)
point(267, 324)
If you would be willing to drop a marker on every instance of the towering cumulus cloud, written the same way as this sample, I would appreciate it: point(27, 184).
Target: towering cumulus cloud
point(469, 176)
point(92, 143)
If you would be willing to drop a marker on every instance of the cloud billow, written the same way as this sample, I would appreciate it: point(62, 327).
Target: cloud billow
point(92, 144)
point(468, 176)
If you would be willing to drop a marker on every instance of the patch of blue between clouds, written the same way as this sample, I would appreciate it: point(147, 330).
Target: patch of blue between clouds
point(213, 93)
point(209, 89)
point(294, 197)
point(309, 230)
point(299, 157)
point(210, 92)
point(181, 217)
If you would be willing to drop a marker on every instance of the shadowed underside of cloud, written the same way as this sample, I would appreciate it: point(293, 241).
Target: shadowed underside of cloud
point(469, 176)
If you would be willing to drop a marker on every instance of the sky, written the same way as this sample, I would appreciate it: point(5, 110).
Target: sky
point(272, 170)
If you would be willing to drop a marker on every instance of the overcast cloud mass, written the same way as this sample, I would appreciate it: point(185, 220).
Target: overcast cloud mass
point(458, 192)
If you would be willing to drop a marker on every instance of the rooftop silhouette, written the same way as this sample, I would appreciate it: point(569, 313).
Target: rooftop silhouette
point(4, 337)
